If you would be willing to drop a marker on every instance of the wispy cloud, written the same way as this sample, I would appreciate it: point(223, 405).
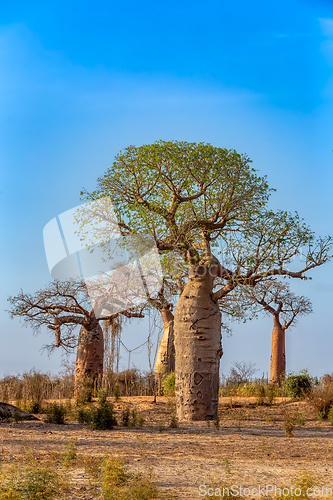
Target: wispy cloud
point(326, 25)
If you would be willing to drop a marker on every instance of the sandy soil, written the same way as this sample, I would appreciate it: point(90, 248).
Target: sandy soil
point(249, 448)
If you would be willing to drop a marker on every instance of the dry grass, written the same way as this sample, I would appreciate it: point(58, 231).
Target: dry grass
point(248, 446)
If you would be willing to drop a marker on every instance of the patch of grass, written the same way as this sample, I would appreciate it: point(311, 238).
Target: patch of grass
point(302, 484)
point(33, 483)
point(174, 422)
point(260, 395)
point(270, 393)
point(116, 483)
point(69, 454)
point(239, 415)
point(132, 418)
point(216, 422)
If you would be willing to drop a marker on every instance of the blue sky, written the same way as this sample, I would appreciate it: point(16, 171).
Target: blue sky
point(81, 81)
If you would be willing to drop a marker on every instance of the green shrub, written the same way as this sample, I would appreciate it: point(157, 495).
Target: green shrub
point(103, 417)
point(169, 384)
point(298, 386)
point(34, 407)
point(84, 416)
point(55, 414)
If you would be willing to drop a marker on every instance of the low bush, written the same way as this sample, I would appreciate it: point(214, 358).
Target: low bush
point(117, 483)
point(56, 414)
point(168, 384)
point(321, 399)
point(103, 417)
point(298, 386)
point(34, 483)
point(84, 416)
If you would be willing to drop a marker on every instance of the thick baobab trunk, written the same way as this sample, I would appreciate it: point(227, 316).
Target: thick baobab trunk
point(165, 359)
point(198, 350)
point(278, 355)
point(89, 360)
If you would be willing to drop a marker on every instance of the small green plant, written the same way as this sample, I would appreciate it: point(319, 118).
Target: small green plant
point(56, 414)
point(260, 395)
point(330, 415)
point(125, 416)
point(288, 426)
point(34, 407)
point(299, 417)
point(292, 419)
point(140, 420)
point(174, 422)
point(116, 392)
point(265, 447)
point(169, 384)
point(298, 386)
point(239, 415)
point(69, 455)
point(302, 487)
point(103, 417)
point(226, 464)
point(16, 416)
point(270, 393)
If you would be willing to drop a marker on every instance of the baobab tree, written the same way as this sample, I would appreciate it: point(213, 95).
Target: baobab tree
point(188, 196)
point(61, 307)
point(285, 307)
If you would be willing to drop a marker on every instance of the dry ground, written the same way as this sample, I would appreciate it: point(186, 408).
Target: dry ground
point(249, 448)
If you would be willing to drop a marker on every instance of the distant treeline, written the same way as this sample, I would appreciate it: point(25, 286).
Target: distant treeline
point(37, 387)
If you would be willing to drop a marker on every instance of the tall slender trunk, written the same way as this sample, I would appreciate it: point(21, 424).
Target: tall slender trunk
point(89, 360)
point(278, 355)
point(197, 330)
point(165, 359)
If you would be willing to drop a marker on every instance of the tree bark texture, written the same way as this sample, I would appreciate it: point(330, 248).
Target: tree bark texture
point(278, 355)
point(165, 359)
point(197, 330)
point(89, 360)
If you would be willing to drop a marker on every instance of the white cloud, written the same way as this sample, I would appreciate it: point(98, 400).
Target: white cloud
point(326, 25)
